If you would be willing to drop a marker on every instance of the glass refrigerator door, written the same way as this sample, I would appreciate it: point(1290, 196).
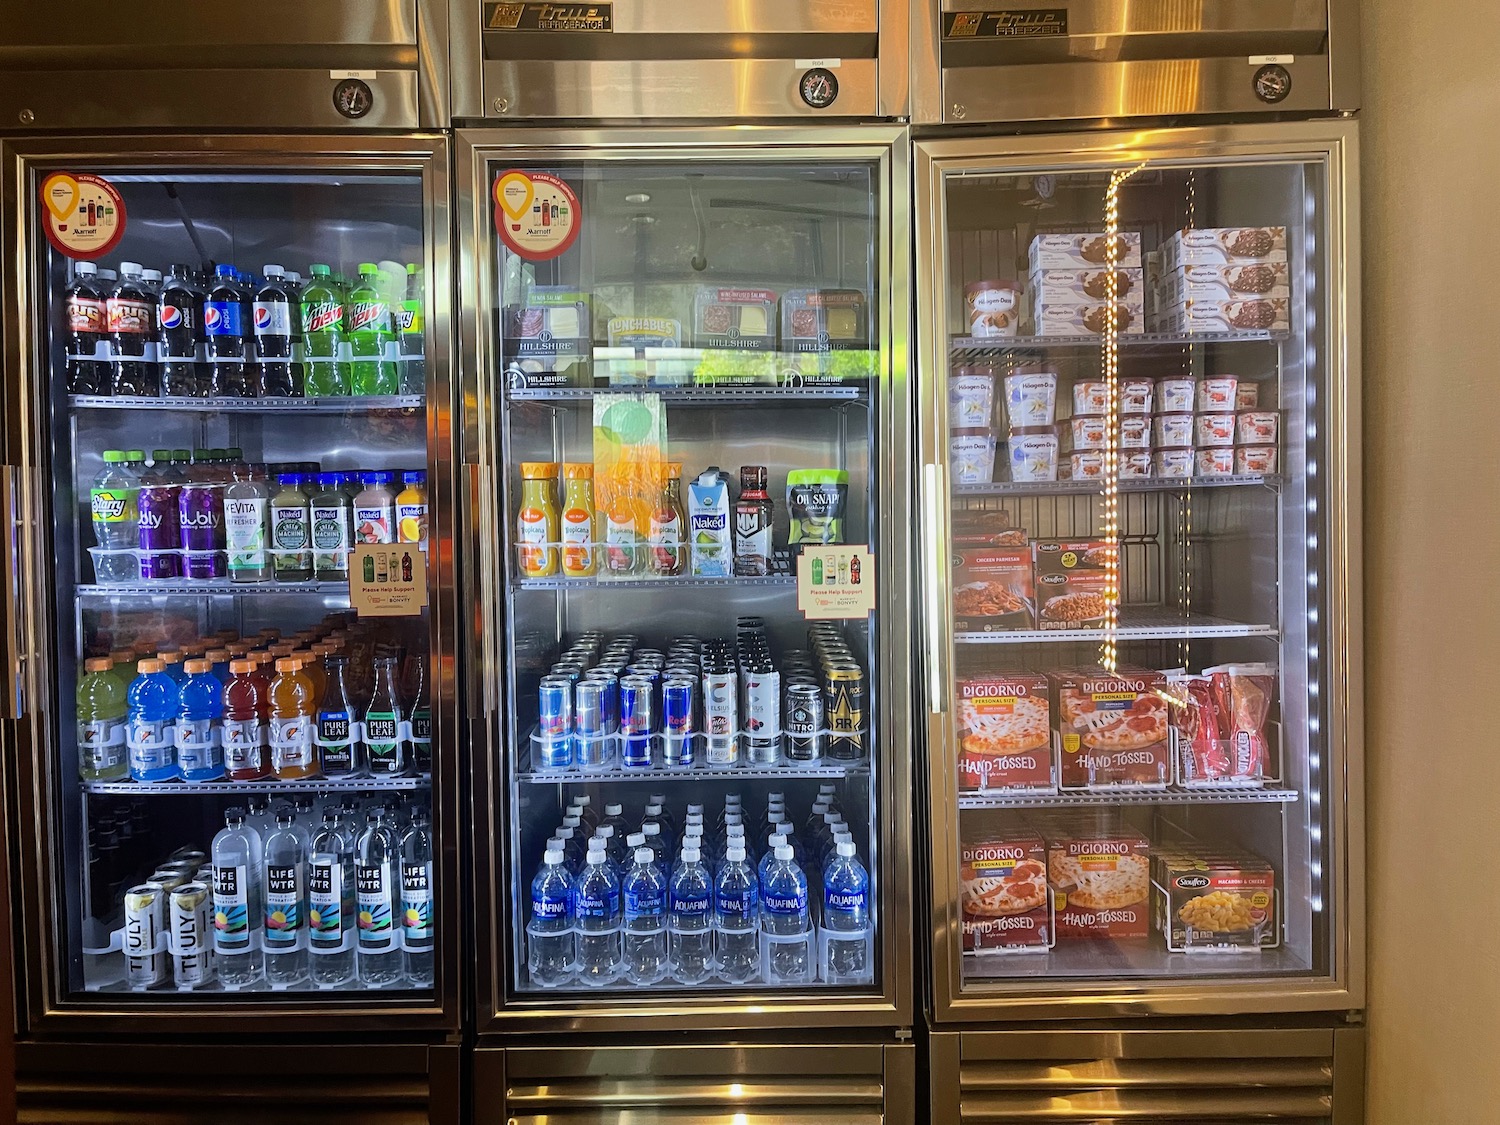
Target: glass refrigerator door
point(1138, 435)
point(232, 411)
point(692, 361)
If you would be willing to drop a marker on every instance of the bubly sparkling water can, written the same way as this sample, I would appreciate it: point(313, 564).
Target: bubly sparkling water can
point(637, 720)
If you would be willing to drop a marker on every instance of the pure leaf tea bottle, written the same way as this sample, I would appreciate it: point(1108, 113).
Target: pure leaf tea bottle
point(383, 739)
point(336, 722)
point(420, 720)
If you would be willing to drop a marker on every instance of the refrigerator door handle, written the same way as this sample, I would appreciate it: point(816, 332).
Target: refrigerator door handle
point(13, 705)
point(478, 504)
point(934, 495)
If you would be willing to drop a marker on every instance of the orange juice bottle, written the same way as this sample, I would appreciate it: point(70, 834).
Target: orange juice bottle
point(578, 521)
point(537, 523)
point(293, 754)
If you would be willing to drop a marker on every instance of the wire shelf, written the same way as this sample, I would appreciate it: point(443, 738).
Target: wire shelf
point(1174, 795)
point(270, 785)
point(1096, 486)
point(726, 394)
point(350, 404)
point(177, 588)
point(987, 347)
point(1137, 623)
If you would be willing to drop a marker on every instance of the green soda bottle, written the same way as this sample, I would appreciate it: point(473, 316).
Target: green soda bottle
point(323, 339)
point(371, 335)
point(101, 723)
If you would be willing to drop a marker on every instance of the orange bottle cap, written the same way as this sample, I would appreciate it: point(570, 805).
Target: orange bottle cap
point(288, 664)
point(170, 656)
point(218, 655)
point(193, 667)
point(146, 667)
point(242, 667)
point(674, 470)
point(538, 470)
point(120, 655)
point(98, 664)
point(581, 470)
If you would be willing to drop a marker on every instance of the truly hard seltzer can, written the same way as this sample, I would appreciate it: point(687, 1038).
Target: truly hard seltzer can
point(145, 922)
point(192, 935)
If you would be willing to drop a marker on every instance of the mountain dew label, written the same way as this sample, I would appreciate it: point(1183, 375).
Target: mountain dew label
point(322, 316)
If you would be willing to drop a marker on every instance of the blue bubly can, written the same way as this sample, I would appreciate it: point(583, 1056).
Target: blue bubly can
point(637, 722)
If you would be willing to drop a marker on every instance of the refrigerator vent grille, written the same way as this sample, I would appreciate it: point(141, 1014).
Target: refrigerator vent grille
point(1200, 1091)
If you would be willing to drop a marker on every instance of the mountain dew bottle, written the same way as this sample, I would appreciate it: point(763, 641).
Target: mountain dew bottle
point(371, 330)
point(323, 339)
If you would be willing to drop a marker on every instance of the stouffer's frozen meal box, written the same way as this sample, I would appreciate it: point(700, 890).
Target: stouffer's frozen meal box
point(1225, 283)
point(1210, 899)
point(548, 339)
point(1255, 314)
point(1003, 880)
point(1085, 250)
point(1111, 728)
point(1213, 246)
point(985, 529)
point(1004, 733)
point(992, 589)
point(1071, 580)
point(1101, 880)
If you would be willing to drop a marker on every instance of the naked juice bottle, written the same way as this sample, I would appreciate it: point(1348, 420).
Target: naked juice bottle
point(578, 521)
point(293, 755)
point(537, 523)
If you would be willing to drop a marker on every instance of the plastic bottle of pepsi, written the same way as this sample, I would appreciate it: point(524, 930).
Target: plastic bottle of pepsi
point(179, 333)
point(88, 374)
point(131, 311)
point(224, 335)
point(272, 313)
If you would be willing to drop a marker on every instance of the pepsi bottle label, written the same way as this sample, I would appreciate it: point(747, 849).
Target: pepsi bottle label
point(273, 318)
point(222, 318)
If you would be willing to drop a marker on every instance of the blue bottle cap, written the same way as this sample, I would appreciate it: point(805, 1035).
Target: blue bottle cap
point(290, 478)
point(413, 477)
point(329, 480)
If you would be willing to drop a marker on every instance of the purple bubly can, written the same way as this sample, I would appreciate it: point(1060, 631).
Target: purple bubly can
point(200, 516)
point(158, 505)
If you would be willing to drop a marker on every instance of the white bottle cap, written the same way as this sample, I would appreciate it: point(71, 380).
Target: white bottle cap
point(833, 818)
point(552, 855)
point(846, 847)
point(783, 852)
point(731, 799)
point(128, 268)
point(777, 797)
point(597, 859)
point(572, 820)
point(596, 845)
point(653, 809)
point(151, 275)
point(582, 800)
point(658, 799)
point(776, 840)
point(271, 270)
point(613, 810)
point(695, 809)
point(87, 269)
point(604, 831)
point(786, 828)
point(635, 840)
point(651, 828)
point(735, 854)
point(644, 855)
point(563, 834)
point(691, 855)
point(733, 818)
point(826, 789)
point(734, 831)
point(695, 818)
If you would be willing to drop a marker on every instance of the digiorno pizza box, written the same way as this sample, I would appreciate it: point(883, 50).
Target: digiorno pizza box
point(1111, 728)
point(1005, 733)
point(1003, 891)
point(1101, 880)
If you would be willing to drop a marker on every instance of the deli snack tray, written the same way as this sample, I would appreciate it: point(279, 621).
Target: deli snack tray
point(980, 347)
point(1173, 795)
point(1137, 623)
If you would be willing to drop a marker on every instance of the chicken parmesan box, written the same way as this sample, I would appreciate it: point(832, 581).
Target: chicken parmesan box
point(1111, 728)
point(1101, 879)
point(1003, 881)
point(1072, 578)
point(1005, 733)
point(992, 589)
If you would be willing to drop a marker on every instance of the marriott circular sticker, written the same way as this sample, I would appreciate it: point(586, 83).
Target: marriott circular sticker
point(84, 215)
point(536, 214)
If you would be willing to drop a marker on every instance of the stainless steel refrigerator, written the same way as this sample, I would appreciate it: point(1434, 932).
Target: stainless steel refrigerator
point(1138, 378)
point(672, 339)
point(170, 438)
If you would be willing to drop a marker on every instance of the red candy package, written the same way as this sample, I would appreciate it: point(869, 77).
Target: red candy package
point(1220, 720)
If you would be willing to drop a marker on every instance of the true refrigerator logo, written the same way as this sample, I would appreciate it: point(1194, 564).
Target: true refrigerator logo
point(1024, 23)
point(549, 17)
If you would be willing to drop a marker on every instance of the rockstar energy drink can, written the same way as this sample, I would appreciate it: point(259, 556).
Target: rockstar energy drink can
point(844, 707)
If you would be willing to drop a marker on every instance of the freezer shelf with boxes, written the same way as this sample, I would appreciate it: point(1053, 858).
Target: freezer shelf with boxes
point(1133, 763)
point(693, 389)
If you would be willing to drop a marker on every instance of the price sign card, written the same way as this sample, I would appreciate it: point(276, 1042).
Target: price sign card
point(836, 581)
point(388, 580)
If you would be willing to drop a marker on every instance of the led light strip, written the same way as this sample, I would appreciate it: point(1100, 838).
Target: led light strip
point(1108, 649)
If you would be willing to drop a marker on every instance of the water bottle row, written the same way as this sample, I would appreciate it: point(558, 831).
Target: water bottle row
point(798, 915)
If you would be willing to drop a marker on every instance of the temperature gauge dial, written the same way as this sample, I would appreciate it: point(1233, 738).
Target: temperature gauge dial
point(818, 87)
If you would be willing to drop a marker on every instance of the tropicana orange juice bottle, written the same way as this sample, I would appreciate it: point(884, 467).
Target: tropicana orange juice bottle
point(293, 754)
point(578, 521)
point(537, 522)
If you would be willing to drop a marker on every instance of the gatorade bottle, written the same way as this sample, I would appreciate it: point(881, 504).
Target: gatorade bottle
point(324, 345)
point(293, 755)
point(151, 706)
point(101, 722)
point(372, 371)
point(246, 709)
point(200, 756)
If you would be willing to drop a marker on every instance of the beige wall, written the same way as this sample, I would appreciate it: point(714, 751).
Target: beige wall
point(1431, 173)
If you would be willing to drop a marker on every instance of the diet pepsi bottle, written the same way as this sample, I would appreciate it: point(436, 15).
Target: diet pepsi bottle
point(88, 373)
point(224, 335)
point(272, 313)
point(179, 334)
point(131, 312)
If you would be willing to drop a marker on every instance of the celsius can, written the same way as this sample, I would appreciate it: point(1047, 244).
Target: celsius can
point(721, 720)
point(145, 923)
point(192, 935)
point(637, 718)
point(844, 704)
point(804, 722)
point(678, 700)
point(763, 715)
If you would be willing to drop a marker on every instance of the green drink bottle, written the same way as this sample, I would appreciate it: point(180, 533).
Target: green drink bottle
point(371, 331)
point(323, 340)
point(101, 723)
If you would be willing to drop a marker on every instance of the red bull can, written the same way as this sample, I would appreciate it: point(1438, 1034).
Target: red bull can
point(555, 722)
point(637, 722)
point(678, 708)
point(590, 734)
